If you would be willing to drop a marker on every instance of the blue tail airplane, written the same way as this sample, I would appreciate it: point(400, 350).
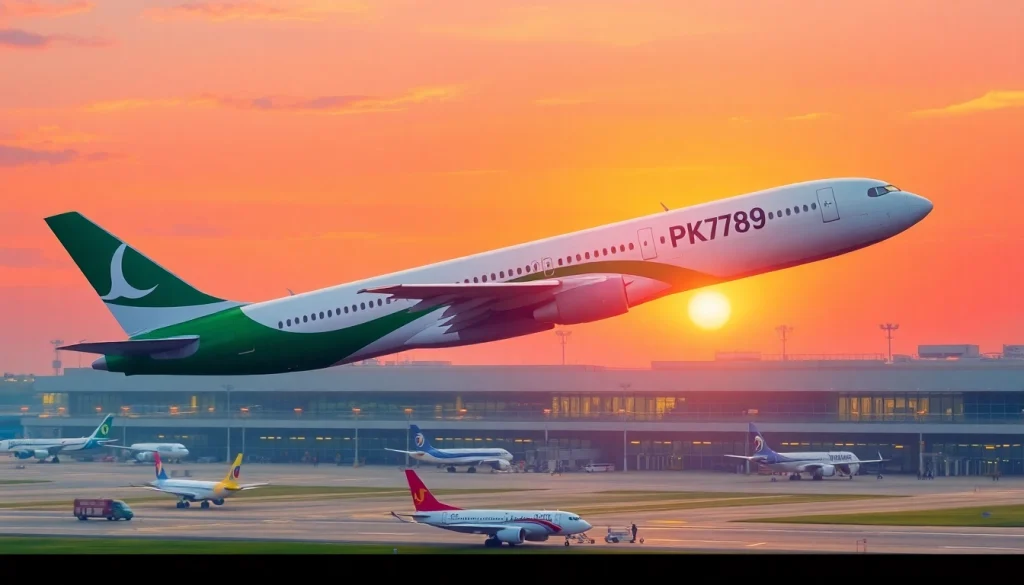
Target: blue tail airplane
point(819, 464)
point(498, 459)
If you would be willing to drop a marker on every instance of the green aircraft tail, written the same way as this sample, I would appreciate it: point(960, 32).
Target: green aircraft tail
point(140, 294)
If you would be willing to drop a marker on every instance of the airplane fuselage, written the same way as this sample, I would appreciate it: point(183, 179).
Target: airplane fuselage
point(461, 457)
point(643, 259)
point(535, 525)
point(198, 490)
point(826, 463)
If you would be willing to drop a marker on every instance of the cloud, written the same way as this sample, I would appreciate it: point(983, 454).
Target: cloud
point(228, 11)
point(993, 100)
point(559, 102)
point(19, 39)
point(811, 116)
point(16, 156)
point(30, 8)
point(26, 258)
point(51, 136)
point(334, 105)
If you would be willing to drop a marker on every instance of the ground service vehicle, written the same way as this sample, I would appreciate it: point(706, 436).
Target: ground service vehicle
point(109, 509)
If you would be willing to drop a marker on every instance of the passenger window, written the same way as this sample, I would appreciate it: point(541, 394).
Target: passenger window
point(483, 278)
point(579, 258)
point(519, 270)
point(330, 313)
point(604, 251)
point(280, 325)
point(289, 322)
point(380, 302)
point(305, 319)
point(354, 308)
point(321, 314)
point(346, 310)
point(622, 248)
point(587, 256)
point(559, 261)
point(814, 205)
point(788, 212)
point(662, 239)
point(502, 274)
point(527, 269)
point(475, 279)
point(362, 306)
point(631, 245)
point(493, 277)
point(568, 259)
point(771, 215)
point(805, 208)
point(796, 209)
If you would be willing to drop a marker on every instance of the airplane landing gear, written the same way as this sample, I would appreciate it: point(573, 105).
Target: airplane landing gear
point(55, 459)
point(492, 543)
point(794, 477)
point(183, 504)
point(205, 505)
point(451, 469)
point(471, 470)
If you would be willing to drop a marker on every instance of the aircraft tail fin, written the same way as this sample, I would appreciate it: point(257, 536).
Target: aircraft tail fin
point(760, 445)
point(419, 440)
point(159, 466)
point(102, 432)
point(231, 479)
point(140, 294)
point(422, 499)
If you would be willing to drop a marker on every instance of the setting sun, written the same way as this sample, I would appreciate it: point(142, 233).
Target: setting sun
point(709, 310)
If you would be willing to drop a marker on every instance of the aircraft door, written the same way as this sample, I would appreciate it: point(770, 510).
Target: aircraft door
point(444, 517)
point(646, 239)
point(827, 205)
point(549, 266)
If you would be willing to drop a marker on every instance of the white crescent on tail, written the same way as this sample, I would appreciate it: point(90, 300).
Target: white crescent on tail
point(119, 287)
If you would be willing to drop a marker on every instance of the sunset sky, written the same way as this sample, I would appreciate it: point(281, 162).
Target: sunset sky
point(252, 147)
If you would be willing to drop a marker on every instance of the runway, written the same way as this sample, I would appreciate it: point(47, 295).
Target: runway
point(367, 519)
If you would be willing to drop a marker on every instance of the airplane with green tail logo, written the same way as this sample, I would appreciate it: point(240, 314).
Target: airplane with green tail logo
point(175, 329)
point(43, 449)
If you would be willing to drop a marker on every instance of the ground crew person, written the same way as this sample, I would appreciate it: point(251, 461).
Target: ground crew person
point(632, 529)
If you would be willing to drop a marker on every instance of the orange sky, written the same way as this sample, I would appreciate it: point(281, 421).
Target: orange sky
point(256, 146)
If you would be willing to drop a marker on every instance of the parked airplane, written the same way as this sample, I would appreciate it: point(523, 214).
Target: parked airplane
point(144, 452)
point(819, 464)
point(509, 526)
point(42, 449)
point(189, 490)
point(580, 277)
point(499, 459)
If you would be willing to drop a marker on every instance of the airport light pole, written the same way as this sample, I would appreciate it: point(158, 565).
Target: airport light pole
point(625, 459)
point(408, 423)
point(244, 411)
point(784, 331)
point(355, 415)
point(563, 335)
point(889, 328)
point(227, 412)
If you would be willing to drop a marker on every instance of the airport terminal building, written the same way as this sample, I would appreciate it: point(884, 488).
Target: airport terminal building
point(952, 411)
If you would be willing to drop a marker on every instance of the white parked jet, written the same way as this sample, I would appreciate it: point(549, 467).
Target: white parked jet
point(143, 452)
point(189, 490)
point(585, 276)
point(498, 459)
point(819, 464)
point(42, 449)
point(508, 526)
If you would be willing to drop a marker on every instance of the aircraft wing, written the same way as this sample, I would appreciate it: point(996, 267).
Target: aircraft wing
point(400, 451)
point(122, 447)
point(180, 492)
point(464, 291)
point(741, 457)
point(488, 529)
point(251, 486)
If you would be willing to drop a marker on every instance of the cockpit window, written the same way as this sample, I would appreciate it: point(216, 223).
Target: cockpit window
point(879, 191)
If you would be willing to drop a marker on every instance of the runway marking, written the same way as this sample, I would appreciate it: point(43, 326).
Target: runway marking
point(982, 548)
point(382, 534)
point(757, 544)
point(668, 522)
point(687, 540)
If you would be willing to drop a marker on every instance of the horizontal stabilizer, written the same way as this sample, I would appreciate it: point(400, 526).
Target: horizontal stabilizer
point(464, 290)
point(138, 347)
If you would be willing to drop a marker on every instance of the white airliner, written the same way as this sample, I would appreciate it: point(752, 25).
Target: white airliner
point(499, 459)
point(819, 464)
point(508, 526)
point(143, 452)
point(42, 449)
point(589, 275)
point(189, 490)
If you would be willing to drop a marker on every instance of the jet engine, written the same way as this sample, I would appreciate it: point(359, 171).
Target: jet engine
point(537, 537)
point(144, 456)
point(38, 454)
point(501, 465)
point(825, 471)
point(511, 535)
point(585, 303)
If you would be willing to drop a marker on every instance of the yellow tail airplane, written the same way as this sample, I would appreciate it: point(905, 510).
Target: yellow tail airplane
point(189, 490)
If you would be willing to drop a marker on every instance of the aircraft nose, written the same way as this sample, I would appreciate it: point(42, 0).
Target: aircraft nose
point(586, 525)
point(100, 364)
point(919, 207)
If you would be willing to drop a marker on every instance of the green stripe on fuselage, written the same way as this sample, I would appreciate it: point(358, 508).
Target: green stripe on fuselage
point(230, 343)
